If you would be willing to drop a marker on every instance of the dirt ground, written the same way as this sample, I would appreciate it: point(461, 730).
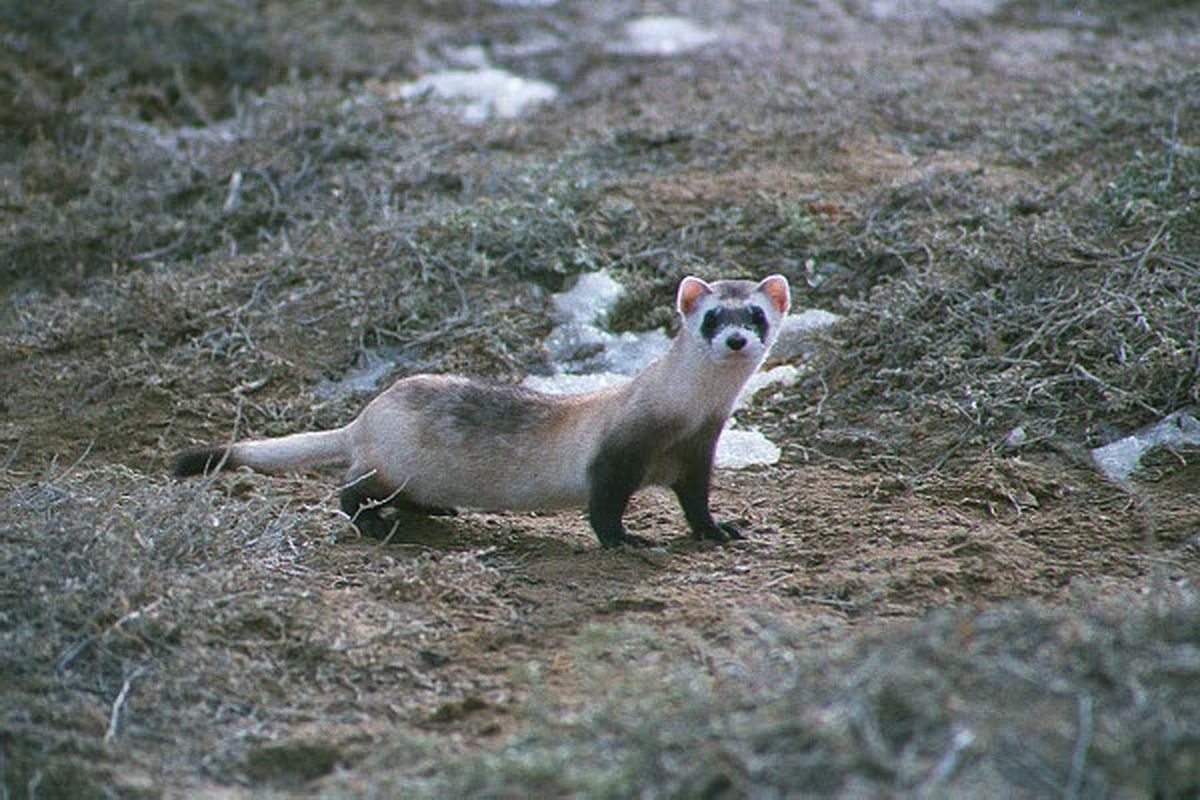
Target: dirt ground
point(998, 197)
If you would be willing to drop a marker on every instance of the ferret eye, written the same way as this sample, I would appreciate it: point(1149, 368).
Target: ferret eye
point(757, 315)
point(708, 326)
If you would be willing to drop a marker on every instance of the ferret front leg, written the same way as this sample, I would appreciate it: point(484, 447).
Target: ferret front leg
point(692, 490)
point(693, 497)
point(614, 477)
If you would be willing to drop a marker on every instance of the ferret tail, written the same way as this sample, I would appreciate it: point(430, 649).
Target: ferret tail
point(294, 453)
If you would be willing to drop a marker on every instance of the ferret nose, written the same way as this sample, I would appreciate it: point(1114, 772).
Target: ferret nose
point(735, 341)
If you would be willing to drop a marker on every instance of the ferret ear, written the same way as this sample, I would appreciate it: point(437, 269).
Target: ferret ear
point(775, 288)
point(690, 291)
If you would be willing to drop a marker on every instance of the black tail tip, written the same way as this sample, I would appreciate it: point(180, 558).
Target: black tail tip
point(200, 461)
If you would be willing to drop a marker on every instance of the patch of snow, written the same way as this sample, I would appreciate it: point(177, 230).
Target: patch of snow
point(579, 345)
point(798, 329)
point(662, 36)
point(929, 9)
point(479, 94)
point(737, 449)
point(783, 375)
point(589, 300)
point(361, 380)
point(629, 353)
point(809, 320)
point(1118, 460)
point(576, 347)
point(473, 56)
point(575, 341)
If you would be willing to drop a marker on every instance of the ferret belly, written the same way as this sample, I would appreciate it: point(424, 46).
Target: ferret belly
point(444, 466)
point(452, 459)
point(494, 481)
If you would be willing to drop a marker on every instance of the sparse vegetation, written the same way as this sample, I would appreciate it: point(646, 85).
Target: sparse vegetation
point(1078, 320)
point(209, 215)
point(1002, 703)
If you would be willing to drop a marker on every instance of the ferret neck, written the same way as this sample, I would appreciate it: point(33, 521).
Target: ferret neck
point(686, 373)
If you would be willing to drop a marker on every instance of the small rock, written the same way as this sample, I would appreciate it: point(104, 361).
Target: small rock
point(1015, 438)
point(1118, 460)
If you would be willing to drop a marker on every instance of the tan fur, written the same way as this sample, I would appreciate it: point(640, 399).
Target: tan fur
point(294, 453)
point(440, 463)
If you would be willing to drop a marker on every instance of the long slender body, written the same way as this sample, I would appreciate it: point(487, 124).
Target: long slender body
point(442, 442)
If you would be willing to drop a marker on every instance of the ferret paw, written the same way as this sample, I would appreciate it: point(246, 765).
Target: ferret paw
point(374, 526)
point(719, 532)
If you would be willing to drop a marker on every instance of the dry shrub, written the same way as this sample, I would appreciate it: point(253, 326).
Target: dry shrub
point(151, 195)
point(201, 629)
point(1073, 315)
point(1088, 700)
point(116, 589)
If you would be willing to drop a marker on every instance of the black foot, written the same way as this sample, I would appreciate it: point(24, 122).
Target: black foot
point(364, 502)
point(719, 532)
point(370, 523)
point(200, 461)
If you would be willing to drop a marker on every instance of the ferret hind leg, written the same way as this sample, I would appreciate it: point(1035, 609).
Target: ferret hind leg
point(364, 498)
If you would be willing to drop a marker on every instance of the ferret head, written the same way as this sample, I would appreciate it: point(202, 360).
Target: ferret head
point(734, 321)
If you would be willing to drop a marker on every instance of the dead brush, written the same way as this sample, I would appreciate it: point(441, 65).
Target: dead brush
point(1013, 700)
point(123, 587)
point(1072, 331)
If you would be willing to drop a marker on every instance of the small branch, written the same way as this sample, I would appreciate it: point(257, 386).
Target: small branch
point(114, 718)
point(235, 191)
point(160, 251)
point(74, 650)
point(1172, 145)
point(60, 476)
point(1082, 742)
point(1153, 243)
point(948, 763)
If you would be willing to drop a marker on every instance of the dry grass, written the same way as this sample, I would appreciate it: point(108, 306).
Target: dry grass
point(114, 601)
point(1071, 313)
point(1014, 701)
point(1018, 701)
point(156, 631)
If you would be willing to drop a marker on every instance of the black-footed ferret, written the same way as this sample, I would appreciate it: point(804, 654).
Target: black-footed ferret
point(434, 442)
